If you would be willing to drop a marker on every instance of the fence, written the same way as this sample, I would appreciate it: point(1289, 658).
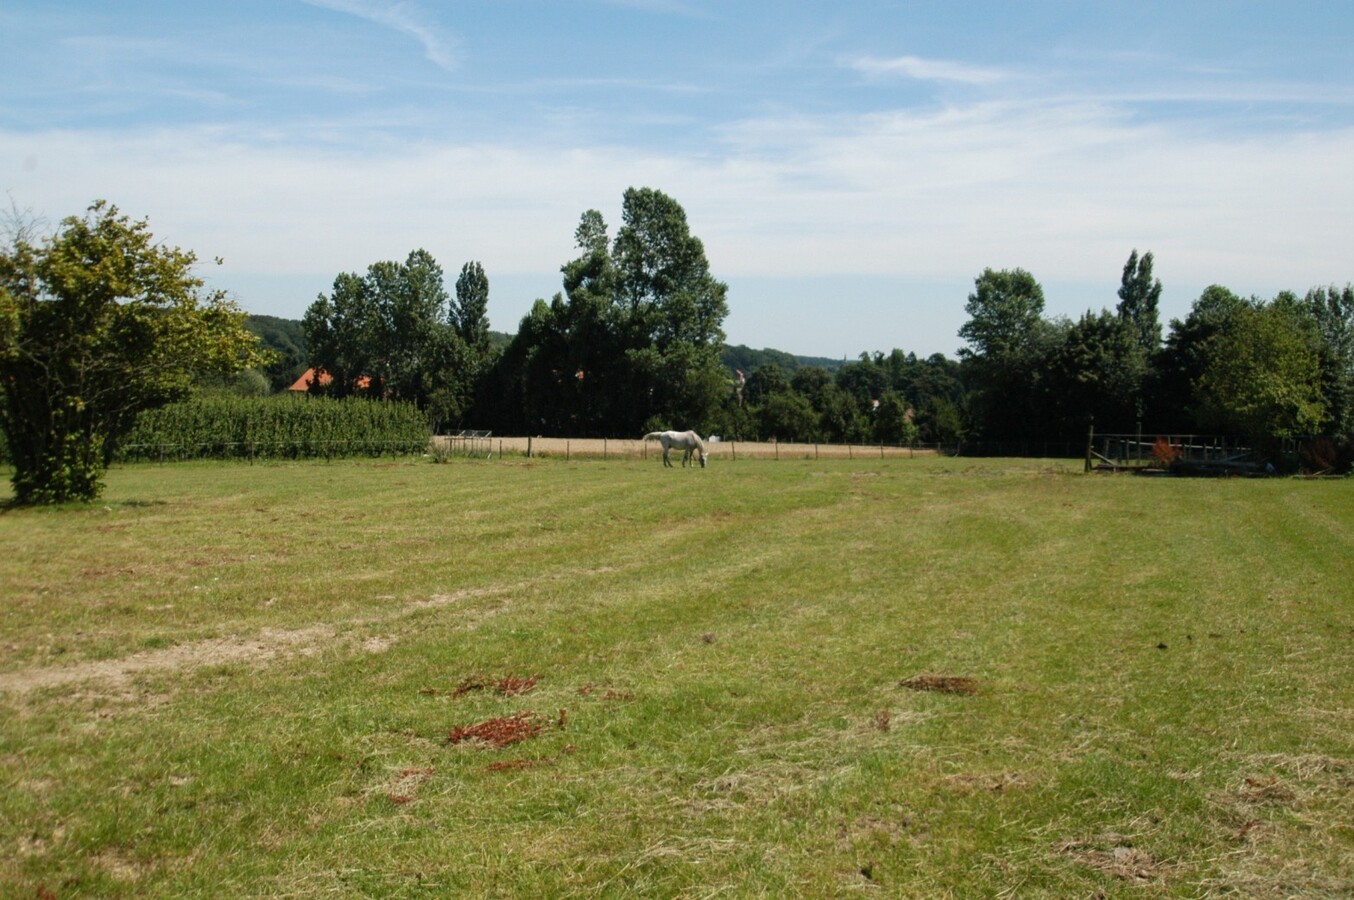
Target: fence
point(635, 448)
point(1196, 454)
point(477, 444)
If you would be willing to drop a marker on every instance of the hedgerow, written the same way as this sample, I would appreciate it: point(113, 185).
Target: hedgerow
point(277, 427)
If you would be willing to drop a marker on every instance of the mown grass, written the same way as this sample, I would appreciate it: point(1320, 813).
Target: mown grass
point(239, 680)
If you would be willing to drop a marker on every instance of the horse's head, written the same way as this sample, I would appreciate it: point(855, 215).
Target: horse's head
point(703, 456)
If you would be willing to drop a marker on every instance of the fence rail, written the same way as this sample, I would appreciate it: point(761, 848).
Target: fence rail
point(1197, 454)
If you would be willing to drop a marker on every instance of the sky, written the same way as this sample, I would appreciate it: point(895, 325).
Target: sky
point(851, 167)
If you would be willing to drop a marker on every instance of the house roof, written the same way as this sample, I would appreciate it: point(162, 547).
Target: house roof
point(308, 378)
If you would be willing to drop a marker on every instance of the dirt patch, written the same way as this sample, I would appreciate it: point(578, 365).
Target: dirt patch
point(258, 649)
point(263, 647)
point(1114, 855)
point(941, 684)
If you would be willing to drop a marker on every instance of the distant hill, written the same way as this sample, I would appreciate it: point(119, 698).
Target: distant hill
point(747, 359)
point(286, 339)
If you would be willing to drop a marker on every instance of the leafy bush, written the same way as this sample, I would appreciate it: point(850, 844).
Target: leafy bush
point(277, 427)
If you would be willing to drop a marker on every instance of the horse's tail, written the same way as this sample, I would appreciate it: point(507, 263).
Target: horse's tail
point(653, 436)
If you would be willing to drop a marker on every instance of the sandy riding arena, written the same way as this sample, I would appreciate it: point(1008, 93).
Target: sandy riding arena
point(608, 448)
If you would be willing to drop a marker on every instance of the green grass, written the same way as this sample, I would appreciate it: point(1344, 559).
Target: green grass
point(233, 680)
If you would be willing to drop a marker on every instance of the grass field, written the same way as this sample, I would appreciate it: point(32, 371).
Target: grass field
point(906, 677)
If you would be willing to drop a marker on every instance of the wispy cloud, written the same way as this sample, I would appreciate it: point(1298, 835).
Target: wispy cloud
point(927, 69)
point(406, 18)
point(667, 7)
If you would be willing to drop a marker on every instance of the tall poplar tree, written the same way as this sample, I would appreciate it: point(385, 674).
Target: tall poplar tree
point(1139, 296)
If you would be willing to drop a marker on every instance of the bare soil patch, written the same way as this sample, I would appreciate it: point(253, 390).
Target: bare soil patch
point(941, 684)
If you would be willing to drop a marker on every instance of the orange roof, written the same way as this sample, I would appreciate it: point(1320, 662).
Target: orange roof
point(308, 378)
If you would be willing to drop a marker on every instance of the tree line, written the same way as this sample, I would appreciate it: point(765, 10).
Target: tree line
point(634, 343)
point(1257, 369)
point(100, 323)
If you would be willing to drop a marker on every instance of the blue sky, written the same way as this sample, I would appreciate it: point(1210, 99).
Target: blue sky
point(850, 166)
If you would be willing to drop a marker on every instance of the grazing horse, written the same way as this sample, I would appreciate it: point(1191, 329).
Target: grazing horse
point(686, 441)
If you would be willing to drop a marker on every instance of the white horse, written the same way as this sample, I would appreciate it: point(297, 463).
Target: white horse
point(687, 441)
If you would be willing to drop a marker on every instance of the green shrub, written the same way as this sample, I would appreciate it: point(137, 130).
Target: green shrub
point(282, 426)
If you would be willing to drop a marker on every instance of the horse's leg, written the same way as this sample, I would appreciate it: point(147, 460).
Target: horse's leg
point(667, 446)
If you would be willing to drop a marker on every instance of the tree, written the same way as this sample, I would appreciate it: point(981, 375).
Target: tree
point(635, 340)
point(787, 416)
point(1009, 352)
point(1181, 363)
point(893, 420)
point(470, 312)
point(389, 334)
point(1262, 377)
point(1332, 309)
point(1139, 294)
point(1097, 375)
point(670, 313)
point(764, 382)
point(98, 323)
point(1005, 310)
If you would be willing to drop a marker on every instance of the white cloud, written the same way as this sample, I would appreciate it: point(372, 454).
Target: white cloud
point(1064, 190)
point(927, 69)
point(404, 17)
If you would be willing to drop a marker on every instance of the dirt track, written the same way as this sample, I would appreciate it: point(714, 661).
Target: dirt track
point(620, 448)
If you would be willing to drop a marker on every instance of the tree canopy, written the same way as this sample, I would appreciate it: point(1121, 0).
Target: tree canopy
point(633, 343)
point(99, 322)
point(394, 334)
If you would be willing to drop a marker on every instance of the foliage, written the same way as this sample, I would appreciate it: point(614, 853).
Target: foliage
point(635, 337)
point(98, 323)
point(1139, 297)
point(392, 334)
point(470, 310)
point(747, 359)
point(286, 340)
point(1262, 376)
point(1252, 369)
point(1005, 314)
point(1181, 363)
point(1332, 310)
point(1009, 353)
point(787, 416)
point(893, 420)
point(1097, 375)
point(282, 426)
